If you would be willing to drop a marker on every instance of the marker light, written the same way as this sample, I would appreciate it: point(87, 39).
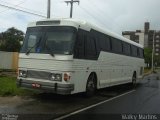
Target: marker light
point(66, 76)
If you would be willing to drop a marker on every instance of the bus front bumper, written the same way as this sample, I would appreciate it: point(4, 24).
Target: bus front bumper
point(57, 88)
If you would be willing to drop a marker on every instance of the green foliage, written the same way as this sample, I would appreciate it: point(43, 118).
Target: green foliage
point(147, 70)
point(10, 40)
point(157, 60)
point(148, 56)
point(8, 87)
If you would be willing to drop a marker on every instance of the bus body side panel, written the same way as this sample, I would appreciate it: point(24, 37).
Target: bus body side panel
point(119, 69)
point(111, 69)
point(82, 69)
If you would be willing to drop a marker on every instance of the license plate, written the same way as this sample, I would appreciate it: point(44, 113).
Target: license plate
point(35, 85)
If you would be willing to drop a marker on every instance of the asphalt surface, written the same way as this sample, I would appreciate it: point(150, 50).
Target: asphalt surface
point(143, 103)
point(145, 99)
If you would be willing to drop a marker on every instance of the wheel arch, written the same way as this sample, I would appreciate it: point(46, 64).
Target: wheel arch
point(91, 84)
point(96, 77)
point(135, 73)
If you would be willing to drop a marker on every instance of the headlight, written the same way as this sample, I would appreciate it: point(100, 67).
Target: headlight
point(56, 77)
point(22, 73)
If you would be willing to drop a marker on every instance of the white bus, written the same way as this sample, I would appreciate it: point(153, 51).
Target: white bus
point(67, 56)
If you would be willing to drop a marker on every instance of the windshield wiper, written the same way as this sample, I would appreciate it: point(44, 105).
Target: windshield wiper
point(50, 51)
point(28, 51)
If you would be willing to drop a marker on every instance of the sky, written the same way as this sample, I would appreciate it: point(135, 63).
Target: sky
point(114, 15)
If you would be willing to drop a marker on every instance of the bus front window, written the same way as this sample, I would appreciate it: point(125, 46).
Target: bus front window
point(57, 40)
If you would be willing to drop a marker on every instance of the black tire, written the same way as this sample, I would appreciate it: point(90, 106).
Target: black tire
point(91, 86)
point(134, 80)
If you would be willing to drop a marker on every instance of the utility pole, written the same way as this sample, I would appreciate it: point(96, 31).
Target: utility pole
point(153, 49)
point(49, 9)
point(72, 2)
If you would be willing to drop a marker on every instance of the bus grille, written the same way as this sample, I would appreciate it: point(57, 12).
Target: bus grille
point(38, 74)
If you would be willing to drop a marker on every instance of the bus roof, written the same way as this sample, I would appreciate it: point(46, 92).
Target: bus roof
point(79, 24)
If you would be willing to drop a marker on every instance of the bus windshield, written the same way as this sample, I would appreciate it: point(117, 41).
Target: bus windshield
point(49, 40)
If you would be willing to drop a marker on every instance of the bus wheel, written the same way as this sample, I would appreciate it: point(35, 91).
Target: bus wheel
point(91, 86)
point(134, 80)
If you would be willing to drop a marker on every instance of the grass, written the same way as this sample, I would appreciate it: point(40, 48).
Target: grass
point(7, 70)
point(147, 70)
point(8, 87)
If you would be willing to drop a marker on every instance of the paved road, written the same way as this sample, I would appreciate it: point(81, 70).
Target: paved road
point(143, 103)
point(50, 106)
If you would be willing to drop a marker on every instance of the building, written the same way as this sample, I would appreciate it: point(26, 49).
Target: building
point(136, 36)
point(145, 37)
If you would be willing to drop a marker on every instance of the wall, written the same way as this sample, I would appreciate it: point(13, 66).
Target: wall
point(141, 38)
point(9, 60)
point(126, 36)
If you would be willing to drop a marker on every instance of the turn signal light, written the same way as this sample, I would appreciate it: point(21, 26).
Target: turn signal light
point(66, 76)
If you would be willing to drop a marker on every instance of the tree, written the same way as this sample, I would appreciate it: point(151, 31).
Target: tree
point(10, 40)
point(157, 60)
point(148, 56)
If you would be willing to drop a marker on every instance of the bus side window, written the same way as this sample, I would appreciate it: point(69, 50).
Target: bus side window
point(141, 53)
point(107, 43)
point(134, 51)
point(90, 48)
point(138, 52)
point(79, 48)
point(94, 36)
point(102, 41)
point(116, 46)
point(126, 49)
